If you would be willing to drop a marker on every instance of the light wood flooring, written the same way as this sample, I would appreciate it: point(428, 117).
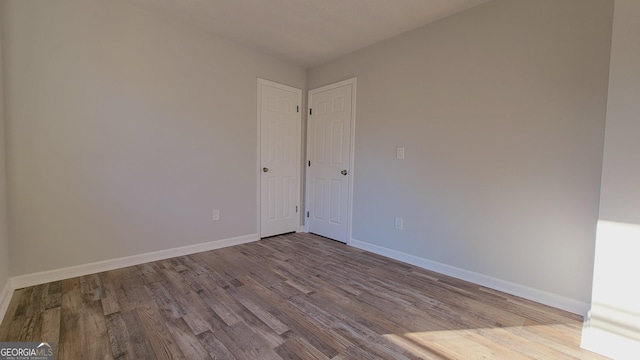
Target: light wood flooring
point(297, 296)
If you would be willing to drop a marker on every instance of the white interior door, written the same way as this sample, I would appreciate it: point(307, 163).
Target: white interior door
point(279, 121)
point(330, 128)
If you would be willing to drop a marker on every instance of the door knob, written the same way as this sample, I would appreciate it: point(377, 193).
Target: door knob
point(343, 172)
point(264, 169)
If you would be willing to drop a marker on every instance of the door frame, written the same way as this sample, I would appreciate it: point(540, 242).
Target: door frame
point(353, 82)
point(298, 146)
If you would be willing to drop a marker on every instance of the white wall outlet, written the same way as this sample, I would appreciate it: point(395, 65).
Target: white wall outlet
point(399, 223)
point(400, 152)
point(216, 215)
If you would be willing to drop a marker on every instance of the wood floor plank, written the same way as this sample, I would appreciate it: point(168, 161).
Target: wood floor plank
point(222, 304)
point(119, 338)
point(54, 295)
point(297, 296)
point(130, 289)
point(95, 339)
point(199, 316)
point(189, 344)
point(245, 343)
point(265, 334)
point(259, 309)
point(23, 301)
point(163, 344)
point(215, 347)
point(50, 331)
point(37, 301)
point(110, 303)
point(285, 353)
point(138, 342)
point(13, 328)
point(165, 300)
point(303, 349)
point(522, 344)
point(320, 337)
point(71, 332)
point(91, 287)
point(31, 327)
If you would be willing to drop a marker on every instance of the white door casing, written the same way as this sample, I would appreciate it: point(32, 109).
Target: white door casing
point(279, 122)
point(331, 132)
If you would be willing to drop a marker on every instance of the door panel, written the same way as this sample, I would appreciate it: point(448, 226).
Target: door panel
point(335, 215)
point(279, 158)
point(318, 199)
point(330, 126)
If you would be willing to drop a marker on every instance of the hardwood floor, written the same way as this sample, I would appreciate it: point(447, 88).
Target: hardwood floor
point(297, 296)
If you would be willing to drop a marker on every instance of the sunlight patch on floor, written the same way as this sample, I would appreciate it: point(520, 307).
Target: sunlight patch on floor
point(490, 343)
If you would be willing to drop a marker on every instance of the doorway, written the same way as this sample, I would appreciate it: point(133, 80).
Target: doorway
point(279, 123)
point(331, 134)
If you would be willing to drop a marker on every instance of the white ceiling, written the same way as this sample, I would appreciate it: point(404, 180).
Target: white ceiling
point(308, 32)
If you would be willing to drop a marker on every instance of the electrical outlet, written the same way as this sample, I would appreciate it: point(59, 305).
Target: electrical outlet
point(399, 223)
point(216, 215)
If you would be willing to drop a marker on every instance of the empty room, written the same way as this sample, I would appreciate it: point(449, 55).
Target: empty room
point(319, 179)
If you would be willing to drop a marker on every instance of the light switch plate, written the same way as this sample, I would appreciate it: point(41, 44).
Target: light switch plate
point(400, 152)
point(399, 223)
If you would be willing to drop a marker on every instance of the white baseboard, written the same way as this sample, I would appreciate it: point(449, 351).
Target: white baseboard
point(612, 330)
point(540, 296)
point(5, 298)
point(609, 344)
point(547, 298)
point(43, 277)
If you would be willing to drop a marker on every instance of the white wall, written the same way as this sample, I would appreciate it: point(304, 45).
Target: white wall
point(4, 234)
point(614, 324)
point(125, 130)
point(501, 109)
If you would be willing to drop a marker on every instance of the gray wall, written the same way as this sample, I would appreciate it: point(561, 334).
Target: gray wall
point(125, 130)
point(4, 234)
point(501, 109)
